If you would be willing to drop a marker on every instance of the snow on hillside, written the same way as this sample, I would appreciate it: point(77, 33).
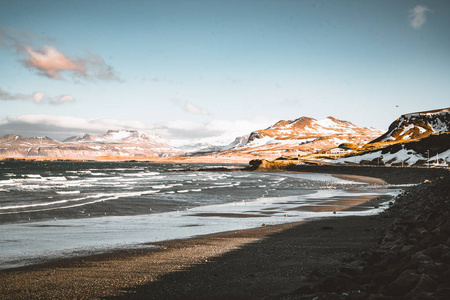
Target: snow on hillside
point(118, 135)
point(304, 135)
point(223, 142)
point(406, 156)
point(417, 125)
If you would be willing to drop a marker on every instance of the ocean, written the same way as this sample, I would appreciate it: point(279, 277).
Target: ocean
point(51, 210)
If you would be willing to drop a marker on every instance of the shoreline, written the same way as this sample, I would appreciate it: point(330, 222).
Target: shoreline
point(247, 264)
point(201, 265)
point(149, 159)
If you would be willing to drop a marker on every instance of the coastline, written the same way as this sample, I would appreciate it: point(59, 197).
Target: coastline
point(254, 263)
point(205, 159)
point(245, 264)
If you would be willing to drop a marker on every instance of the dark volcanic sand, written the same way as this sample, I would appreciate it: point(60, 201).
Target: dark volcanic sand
point(261, 262)
point(250, 264)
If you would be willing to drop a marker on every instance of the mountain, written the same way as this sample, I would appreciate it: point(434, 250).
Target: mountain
point(13, 144)
point(419, 138)
point(127, 143)
point(303, 135)
point(214, 145)
point(417, 125)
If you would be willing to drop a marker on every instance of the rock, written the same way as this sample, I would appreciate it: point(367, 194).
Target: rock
point(303, 290)
point(420, 258)
point(315, 275)
point(426, 284)
point(327, 285)
point(405, 282)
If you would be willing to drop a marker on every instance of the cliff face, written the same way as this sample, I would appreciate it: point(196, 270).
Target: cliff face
point(113, 143)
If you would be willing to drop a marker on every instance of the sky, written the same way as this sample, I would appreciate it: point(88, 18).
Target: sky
point(197, 69)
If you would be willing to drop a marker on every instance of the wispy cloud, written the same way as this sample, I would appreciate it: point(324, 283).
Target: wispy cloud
point(51, 62)
point(7, 96)
point(188, 131)
point(37, 97)
point(192, 109)
point(417, 16)
point(61, 127)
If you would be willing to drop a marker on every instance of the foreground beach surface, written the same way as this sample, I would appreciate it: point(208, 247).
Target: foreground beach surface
point(290, 261)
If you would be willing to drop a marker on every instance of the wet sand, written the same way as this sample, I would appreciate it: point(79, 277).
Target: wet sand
point(246, 264)
point(358, 178)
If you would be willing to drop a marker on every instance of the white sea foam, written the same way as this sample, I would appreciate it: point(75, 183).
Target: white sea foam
point(162, 186)
point(33, 175)
point(56, 178)
point(67, 192)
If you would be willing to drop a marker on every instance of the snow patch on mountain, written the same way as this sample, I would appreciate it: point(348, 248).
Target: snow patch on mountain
point(417, 125)
point(405, 156)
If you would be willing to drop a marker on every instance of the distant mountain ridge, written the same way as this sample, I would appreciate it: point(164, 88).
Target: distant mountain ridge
point(121, 143)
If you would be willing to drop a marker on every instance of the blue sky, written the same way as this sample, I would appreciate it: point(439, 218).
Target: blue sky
point(190, 69)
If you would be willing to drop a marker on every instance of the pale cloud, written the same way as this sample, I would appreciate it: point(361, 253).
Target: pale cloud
point(417, 16)
point(38, 97)
point(180, 131)
point(51, 62)
point(66, 98)
point(187, 132)
point(191, 108)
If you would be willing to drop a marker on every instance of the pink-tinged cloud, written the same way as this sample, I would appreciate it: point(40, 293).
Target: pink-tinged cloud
point(50, 62)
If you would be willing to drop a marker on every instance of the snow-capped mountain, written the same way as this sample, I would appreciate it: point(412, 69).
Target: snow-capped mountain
point(13, 144)
point(420, 138)
point(201, 146)
point(304, 135)
point(216, 146)
point(117, 136)
point(417, 125)
point(126, 143)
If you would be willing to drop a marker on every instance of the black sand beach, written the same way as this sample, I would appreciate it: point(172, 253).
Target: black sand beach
point(339, 258)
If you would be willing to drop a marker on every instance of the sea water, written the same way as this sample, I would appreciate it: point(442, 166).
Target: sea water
point(52, 210)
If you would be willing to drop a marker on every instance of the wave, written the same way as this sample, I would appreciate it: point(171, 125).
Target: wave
point(68, 192)
point(33, 175)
